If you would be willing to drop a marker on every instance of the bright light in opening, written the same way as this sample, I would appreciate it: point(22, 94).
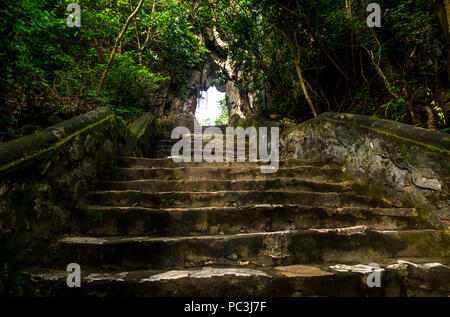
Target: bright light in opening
point(208, 109)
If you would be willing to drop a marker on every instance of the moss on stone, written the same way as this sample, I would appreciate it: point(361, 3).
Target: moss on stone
point(55, 145)
point(390, 133)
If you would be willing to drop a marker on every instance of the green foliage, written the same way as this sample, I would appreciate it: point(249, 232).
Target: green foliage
point(51, 69)
point(395, 110)
point(223, 117)
point(130, 81)
point(13, 281)
point(334, 44)
point(48, 67)
point(206, 122)
point(221, 79)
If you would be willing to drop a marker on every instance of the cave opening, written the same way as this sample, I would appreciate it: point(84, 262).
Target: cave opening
point(211, 108)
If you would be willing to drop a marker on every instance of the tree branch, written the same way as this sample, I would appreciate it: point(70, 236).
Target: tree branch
point(116, 44)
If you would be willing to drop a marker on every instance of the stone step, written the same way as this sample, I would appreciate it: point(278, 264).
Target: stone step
point(224, 173)
point(205, 140)
point(343, 245)
point(204, 137)
point(166, 149)
point(399, 279)
point(156, 185)
point(166, 145)
point(129, 162)
point(167, 152)
point(113, 221)
point(221, 127)
point(232, 199)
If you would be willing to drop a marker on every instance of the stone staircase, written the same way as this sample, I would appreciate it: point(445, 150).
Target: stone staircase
point(159, 228)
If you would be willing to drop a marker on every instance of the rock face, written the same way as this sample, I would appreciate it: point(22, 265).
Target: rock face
point(240, 104)
point(187, 120)
point(177, 98)
point(180, 98)
point(157, 99)
point(199, 79)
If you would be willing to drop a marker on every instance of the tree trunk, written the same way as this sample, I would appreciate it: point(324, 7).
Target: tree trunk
point(348, 7)
point(443, 11)
point(430, 118)
point(300, 74)
point(116, 44)
point(305, 91)
point(296, 52)
point(142, 47)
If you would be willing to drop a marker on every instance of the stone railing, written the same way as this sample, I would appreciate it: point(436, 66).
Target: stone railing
point(46, 175)
point(406, 165)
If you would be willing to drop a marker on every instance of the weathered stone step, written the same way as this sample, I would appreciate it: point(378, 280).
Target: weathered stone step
point(205, 140)
point(128, 162)
point(232, 198)
point(205, 137)
point(222, 173)
point(113, 221)
point(343, 245)
point(156, 185)
point(400, 279)
point(168, 143)
point(167, 152)
point(221, 127)
point(166, 146)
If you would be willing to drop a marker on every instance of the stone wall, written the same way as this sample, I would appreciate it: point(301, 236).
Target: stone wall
point(407, 166)
point(45, 176)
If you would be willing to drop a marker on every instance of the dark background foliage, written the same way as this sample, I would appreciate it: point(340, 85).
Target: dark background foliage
point(50, 72)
